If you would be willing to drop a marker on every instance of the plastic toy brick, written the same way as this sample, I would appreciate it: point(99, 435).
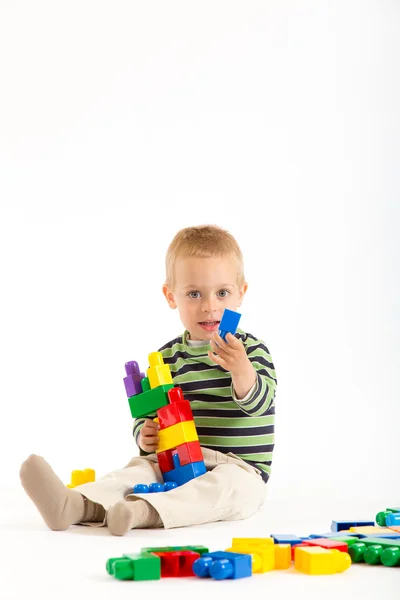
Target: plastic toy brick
point(189, 452)
point(341, 525)
point(177, 563)
point(229, 322)
point(294, 548)
point(395, 528)
point(165, 461)
point(149, 401)
point(393, 519)
point(283, 556)
point(314, 560)
point(80, 477)
point(223, 565)
point(268, 541)
point(199, 549)
point(333, 534)
point(175, 412)
point(346, 538)
point(158, 373)
point(381, 516)
point(390, 557)
point(133, 379)
point(283, 538)
point(376, 531)
point(143, 488)
point(177, 434)
point(330, 544)
point(184, 474)
point(262, 556)
point(138, 567)
point(370, 550)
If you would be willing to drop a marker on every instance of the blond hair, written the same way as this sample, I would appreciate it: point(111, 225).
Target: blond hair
point(203, 241)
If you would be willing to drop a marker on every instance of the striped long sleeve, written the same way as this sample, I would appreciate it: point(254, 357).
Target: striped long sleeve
point(244, 427)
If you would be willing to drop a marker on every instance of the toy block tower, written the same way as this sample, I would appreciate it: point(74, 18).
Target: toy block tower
point(179, 453)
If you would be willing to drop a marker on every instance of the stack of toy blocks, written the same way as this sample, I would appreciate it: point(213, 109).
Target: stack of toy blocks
point(179, 453)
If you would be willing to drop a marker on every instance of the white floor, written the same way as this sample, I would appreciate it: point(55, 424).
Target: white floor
point(38, 563)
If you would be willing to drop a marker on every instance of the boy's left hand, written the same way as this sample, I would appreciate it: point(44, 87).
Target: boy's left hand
point(231, 355)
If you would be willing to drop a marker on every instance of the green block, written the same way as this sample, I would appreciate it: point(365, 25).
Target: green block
point(149, 402)
point(145, 384)
point(371, 549)
point(381, 516)
point(390, 557)
point(138, 567)
point(345, 538)
point(199, 549)
point(146, 566)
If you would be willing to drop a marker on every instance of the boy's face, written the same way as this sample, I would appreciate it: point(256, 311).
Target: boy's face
point(203, 288)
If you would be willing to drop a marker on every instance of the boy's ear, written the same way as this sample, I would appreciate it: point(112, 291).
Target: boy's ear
point(169, 296)
point(242, 291)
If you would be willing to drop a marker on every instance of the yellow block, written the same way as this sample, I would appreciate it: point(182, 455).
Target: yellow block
point(253, 541)
point(370, 530)
point(318, 561)
point(283, 556)
point(262, 557)
point(80, 477)
point(178, 434)
point(158, 373)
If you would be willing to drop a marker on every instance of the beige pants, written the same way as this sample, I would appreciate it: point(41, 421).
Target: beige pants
point(230, 490)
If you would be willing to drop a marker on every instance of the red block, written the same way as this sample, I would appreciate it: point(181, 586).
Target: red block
point(293, 550)
point(165, 461)
point(177, 564)
point(328, 544)
point(189, 452)
point(174, 413)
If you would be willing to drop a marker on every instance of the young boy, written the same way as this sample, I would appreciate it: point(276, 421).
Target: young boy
point(231, 387)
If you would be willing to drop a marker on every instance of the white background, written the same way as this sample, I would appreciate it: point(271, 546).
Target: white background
point(121, 123)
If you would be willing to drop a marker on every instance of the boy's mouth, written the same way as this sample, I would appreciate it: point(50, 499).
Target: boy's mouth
point(209, 325)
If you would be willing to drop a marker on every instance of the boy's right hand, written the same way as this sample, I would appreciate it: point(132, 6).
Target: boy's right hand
point(148, 437)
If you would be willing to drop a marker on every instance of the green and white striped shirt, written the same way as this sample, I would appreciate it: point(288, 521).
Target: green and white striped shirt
point(244, 427)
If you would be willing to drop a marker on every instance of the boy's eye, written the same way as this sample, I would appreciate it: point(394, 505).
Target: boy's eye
point(190, 294)
point(224, 292)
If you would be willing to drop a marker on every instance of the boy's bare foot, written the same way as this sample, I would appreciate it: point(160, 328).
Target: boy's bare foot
point(127, 515)
point(59, 506)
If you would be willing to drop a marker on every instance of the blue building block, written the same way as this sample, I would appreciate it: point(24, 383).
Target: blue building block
point(332, 535)
point(393, 519)
point(340, 525)
point(143, 488)
point(184, 474)
point(223, 565)
point(283, 538)
point(229, 322)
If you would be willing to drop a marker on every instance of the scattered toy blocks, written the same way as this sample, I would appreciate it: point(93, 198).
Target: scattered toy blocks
point(381, 516)
point(283, 538)
point(229, 322)
point(370, 550)
point(80, 477)
point(223, 565)
point(345, 525)
point(314, 560)
point(283, 556)
point(262, 554)
point(142, 566)
point(330, 544)
point(178, 563)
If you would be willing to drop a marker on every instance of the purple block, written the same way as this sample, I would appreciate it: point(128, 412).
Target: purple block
point(133, 379)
